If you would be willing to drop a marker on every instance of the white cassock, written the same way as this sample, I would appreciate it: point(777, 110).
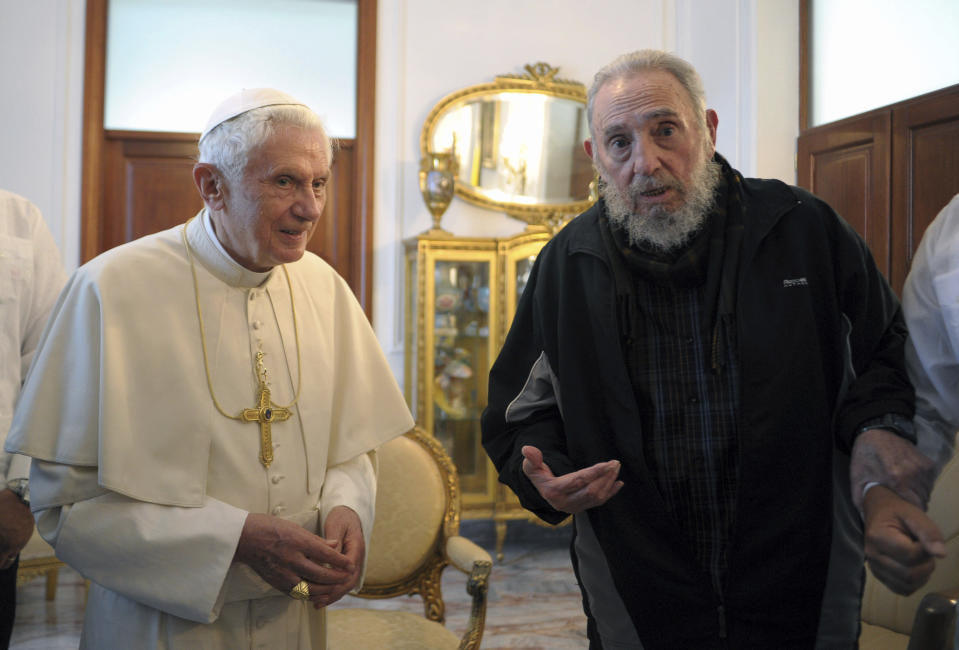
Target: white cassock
point(143, 486)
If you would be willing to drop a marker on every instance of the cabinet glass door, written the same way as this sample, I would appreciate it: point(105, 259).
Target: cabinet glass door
point(460, 364)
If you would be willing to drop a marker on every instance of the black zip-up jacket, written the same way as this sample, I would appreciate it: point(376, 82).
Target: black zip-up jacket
point(821, 339)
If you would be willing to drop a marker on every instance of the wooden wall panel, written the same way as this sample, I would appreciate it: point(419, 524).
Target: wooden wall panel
point(159, 195)
point(152, 174)
point(846, 164)
point(148, 184)
point(925, 171)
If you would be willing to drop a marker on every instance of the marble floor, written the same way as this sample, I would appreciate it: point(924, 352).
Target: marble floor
point(534, 602)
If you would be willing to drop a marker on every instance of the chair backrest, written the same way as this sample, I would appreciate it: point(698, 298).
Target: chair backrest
point(417, 509)
point(882, 607)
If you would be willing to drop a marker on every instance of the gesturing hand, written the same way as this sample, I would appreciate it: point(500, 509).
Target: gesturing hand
point(576, 491)
point(901, 541)
point(283, 553)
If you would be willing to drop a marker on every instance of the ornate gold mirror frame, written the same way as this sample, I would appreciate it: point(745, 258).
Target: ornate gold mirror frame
point(518, 142)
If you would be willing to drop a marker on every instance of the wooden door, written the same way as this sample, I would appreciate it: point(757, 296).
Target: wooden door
point(888, 172)
point(137, 183)
point(925, 169)
point(147, 185)
point(846, 163)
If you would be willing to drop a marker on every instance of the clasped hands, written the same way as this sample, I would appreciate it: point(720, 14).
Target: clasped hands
point(283, 553)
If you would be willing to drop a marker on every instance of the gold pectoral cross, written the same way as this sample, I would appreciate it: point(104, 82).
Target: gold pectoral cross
point(266, 413)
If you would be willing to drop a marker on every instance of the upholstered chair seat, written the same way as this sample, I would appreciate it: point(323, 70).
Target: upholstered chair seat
point(415, 536)
point(389, 629)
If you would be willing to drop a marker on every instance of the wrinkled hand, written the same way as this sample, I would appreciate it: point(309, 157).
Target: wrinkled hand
point(283, 553)
point(576, 491)
point(343, 525)
point(885, 458)
point(901, 541)
point(16, 526)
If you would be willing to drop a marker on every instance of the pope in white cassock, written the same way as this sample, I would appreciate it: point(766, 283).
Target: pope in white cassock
point(205, 404)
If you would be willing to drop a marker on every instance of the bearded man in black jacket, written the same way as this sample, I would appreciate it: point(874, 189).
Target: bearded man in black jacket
point(707, 372)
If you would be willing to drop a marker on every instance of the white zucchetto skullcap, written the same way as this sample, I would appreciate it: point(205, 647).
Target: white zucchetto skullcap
point(246, 100)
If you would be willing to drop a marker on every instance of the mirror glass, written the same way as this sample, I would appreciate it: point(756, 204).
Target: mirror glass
point(521, 147)
point(518, 143)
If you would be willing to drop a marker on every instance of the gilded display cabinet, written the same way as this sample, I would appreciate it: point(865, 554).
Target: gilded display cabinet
point(461, 296)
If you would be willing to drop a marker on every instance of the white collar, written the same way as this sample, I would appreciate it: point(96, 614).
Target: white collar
point(210, 252)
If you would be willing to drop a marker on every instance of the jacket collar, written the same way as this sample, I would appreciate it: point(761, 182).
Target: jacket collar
point(583, 231)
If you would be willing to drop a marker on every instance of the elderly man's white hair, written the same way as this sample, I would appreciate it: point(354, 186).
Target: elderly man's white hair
point(228, 146)
point(629, 64)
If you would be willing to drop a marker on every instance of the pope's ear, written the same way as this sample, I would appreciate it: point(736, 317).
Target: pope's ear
point(211, 185)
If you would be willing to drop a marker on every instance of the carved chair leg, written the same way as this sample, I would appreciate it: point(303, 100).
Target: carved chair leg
point(500, 538)
point(52, 575)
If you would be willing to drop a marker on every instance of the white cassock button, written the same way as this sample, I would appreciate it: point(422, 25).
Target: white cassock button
point(278, 510)
point(257, 324)
point(277, 478)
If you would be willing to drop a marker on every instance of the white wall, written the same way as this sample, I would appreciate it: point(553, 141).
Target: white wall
point(777, 89)
point(430, 48)
point(41, 74)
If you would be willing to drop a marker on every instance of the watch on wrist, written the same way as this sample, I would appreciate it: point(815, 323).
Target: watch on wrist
point(20, 487)
point(894, 423)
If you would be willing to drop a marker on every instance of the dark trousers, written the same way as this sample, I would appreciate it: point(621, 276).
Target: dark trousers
point(8, 602)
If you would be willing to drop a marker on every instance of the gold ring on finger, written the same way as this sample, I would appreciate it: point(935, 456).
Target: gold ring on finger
point(300, 591)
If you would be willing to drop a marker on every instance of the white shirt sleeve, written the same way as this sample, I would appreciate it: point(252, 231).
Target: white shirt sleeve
point(931, 306)
point(25, 313)
point(48, 280)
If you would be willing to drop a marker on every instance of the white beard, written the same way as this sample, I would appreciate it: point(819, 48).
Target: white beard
point(659, 228)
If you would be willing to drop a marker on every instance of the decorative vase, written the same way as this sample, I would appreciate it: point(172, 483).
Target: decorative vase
point(437, 182)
